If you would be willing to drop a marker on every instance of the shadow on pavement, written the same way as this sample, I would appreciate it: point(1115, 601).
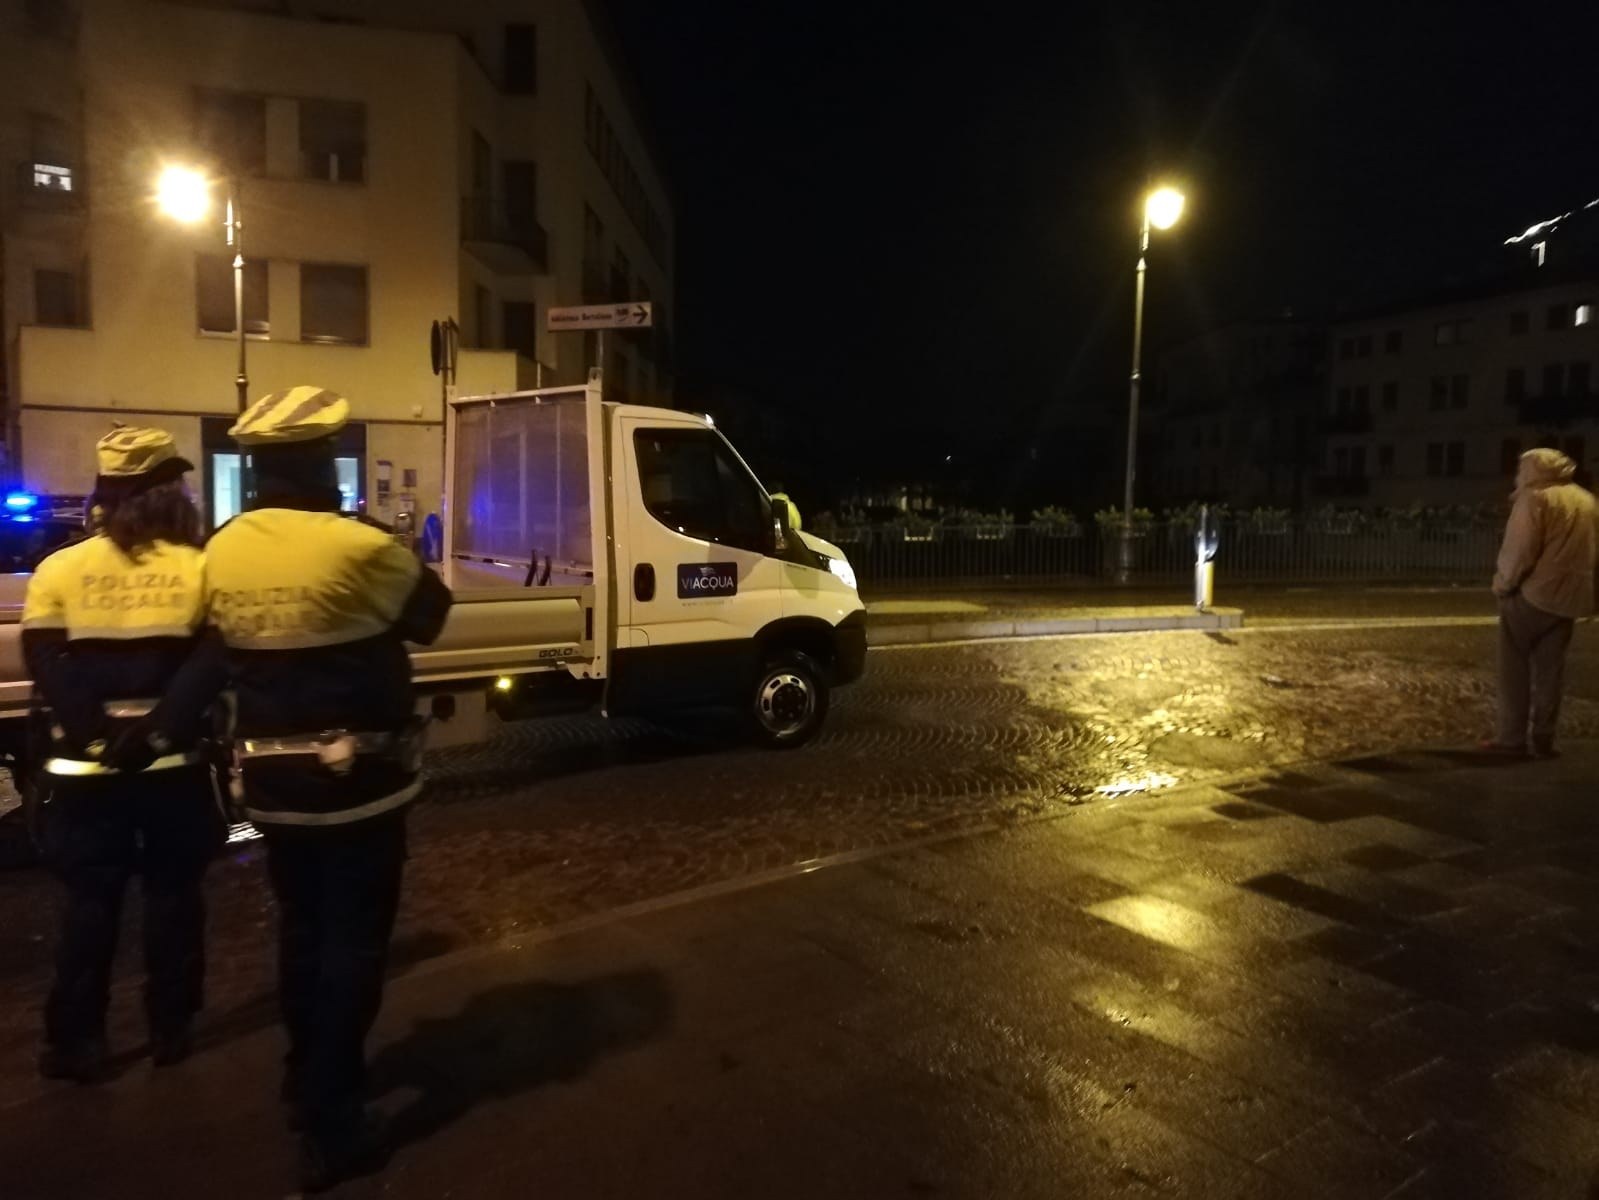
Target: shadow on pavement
point(1477, 759)
point(512, 1039)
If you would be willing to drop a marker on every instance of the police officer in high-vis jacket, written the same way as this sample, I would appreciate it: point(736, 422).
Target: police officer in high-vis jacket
point(315, 608)
point(112, 634)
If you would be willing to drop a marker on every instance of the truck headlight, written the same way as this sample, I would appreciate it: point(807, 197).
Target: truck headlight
point(843, 572)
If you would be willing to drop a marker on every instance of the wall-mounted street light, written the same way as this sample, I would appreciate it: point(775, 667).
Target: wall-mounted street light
point(185, 194)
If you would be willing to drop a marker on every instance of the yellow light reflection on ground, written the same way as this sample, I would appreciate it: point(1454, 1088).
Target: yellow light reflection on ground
point(1131, 784)
point(1161, 920)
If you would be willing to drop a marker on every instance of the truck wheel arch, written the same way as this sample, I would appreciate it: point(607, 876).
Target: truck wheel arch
point(811, 636)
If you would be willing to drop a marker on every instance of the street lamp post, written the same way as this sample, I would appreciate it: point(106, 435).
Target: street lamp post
point(1162, 208)
point(184, 194)
point(235, 227)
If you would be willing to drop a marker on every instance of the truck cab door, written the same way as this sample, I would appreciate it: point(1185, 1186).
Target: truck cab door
point(695, 581)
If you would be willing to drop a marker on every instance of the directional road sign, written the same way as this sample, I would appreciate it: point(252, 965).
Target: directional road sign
point(635, 314)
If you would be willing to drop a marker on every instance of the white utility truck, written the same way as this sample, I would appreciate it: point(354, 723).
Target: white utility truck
point(605, 556)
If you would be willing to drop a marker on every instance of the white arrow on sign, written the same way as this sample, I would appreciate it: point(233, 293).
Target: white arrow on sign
point(636, 314)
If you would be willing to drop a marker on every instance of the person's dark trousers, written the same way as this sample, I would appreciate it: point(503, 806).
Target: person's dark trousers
point(1532, 663)
point(338, 889)
point(99, 831)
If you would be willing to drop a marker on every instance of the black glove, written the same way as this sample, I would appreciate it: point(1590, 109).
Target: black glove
point(136, 747)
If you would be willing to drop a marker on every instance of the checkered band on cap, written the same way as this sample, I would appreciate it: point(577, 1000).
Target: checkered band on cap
point(300, 414)
point(126, 451)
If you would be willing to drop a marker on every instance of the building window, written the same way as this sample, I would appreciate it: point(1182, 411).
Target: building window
point(1435, 458)
point(230, 128)
point(1349, 462)
point(1558, 316)
point(1363, 399)
point(1554, 379)
point(1515, 385)
point(214, 296)
point(53, 149)
point(1582, 314)
point(1385, 460)
point(1341, 402)
point(1452, 333)
point(49, 180)
point(1577, 379)
point(58, 299)
point(521, 60)
point(1393, 342)
point(1459, 391)
point(333, 140)
point(520, 328)
point(1509, 456)
point(1455, 459)
point(333, 306)
point(1363, 346)
point(1438, 394)
point(1346, 348)
point(1518, 322)
point(521, 187)
point(1390, 396)
point(606, 149)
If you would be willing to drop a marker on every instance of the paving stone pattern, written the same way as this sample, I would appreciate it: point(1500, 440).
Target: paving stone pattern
point(1370, 979)
point(563, 818)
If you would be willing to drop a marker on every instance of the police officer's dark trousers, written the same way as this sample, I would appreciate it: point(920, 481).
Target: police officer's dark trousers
point(338, 889)
point(99, 831)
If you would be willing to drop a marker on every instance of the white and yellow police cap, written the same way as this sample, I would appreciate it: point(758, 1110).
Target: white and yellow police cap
point(129, 453)
point(300, 414)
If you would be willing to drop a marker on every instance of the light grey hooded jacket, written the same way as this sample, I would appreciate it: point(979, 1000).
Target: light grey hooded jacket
point(1551, 546)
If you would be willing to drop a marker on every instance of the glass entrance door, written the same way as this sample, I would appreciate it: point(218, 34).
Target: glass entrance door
point(228, 494)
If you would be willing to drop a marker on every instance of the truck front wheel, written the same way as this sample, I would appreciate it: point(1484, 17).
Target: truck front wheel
point(789, 701)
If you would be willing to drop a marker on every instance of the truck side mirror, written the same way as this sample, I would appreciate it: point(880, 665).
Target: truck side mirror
point(780, 530)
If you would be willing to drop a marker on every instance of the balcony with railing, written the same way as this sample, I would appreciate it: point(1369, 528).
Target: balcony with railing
point(508, 246)
point(1350, 421)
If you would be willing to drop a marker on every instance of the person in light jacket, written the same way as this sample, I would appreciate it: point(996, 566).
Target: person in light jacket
point(1545, 583)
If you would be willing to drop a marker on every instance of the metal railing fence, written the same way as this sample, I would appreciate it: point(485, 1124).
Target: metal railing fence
point(1290, 551)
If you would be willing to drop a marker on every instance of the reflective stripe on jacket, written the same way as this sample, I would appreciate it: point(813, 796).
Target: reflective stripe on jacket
point(101, 628)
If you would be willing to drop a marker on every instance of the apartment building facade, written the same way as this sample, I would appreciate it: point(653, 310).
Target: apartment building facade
point(1234, 416)
point(1431, 403)
point(394, 164)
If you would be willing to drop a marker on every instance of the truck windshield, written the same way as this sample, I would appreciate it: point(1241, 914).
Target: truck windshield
point(695, 485)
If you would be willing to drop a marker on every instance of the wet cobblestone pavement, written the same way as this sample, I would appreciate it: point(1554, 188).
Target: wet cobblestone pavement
point(1370, 979)
point(563, 818)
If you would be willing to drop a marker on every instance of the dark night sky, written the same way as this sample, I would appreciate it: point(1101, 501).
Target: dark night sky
point(893, 223)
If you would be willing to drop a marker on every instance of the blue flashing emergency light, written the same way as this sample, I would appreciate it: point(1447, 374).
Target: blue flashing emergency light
point(21, 502)
point(22, 518)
